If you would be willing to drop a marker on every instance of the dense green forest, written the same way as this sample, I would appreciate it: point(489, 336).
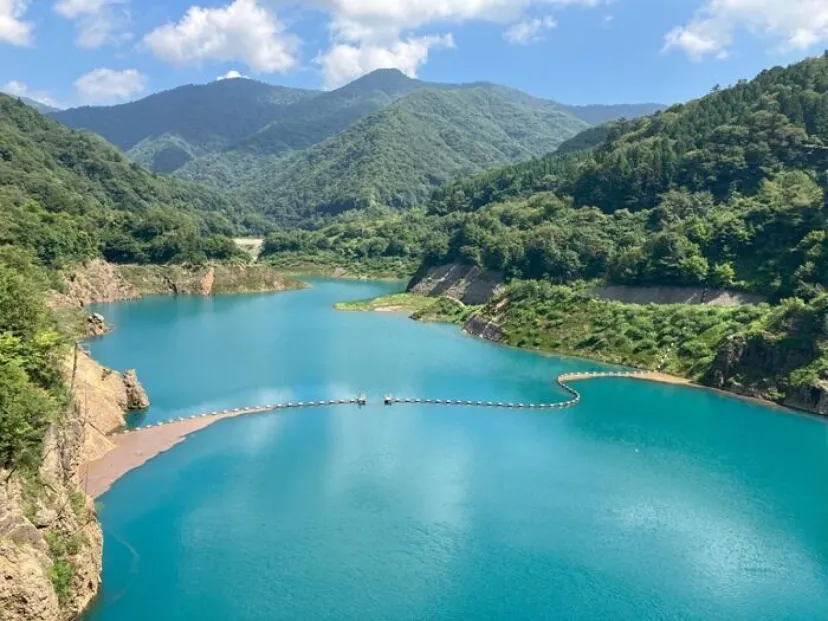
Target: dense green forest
point(297, 156)
point(167, 129)
point(68, 196)
point(397, 156)
point(31, 344)
point(725, 190)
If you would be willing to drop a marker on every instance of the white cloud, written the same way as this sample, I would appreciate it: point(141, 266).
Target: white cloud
point(529, 31)
point(364, 19)
point(98, 22)
point(345, 62)
point(12, 27)
point(367, 34)
point(20, 89)
point(793, 24)
point(230, 75)
point(108, 85)
point(242, 31)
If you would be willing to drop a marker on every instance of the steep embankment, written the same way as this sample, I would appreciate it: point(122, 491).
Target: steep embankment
point(99, 281)
point(469, 284)
point(51, 544)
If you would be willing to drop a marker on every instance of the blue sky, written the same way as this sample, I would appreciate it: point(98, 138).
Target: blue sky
point(576, 51)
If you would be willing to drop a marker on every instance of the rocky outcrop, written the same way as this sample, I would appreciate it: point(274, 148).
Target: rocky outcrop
point(96, 281)
point(205, 285)
point(51, 544)
point(136, 396)
point(469, 284)
point(676, 295)
point(759, 366)
point(811, 398)
point(103, 396)
point(479, 326)
point(95, 325)
point(99, 281)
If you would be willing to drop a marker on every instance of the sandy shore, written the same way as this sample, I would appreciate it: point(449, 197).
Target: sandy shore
point(136, 448)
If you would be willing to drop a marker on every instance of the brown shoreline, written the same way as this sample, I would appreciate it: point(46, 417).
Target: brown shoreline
point(135, 448)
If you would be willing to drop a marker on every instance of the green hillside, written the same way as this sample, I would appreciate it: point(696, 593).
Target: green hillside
point(728, 191)
point(397, 156)
point(67, 196)
point(175, 125)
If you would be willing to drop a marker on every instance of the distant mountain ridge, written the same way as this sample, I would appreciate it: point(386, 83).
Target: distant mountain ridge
point(398, 155)
point(37, 105)
point(193, 119)
point(294, 151)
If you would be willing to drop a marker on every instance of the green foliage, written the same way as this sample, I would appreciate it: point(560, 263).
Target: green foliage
point(30, 384)
point(402, 302)
point(396, 157)
point(728, 190)
point(378, 242)
point(679, 339)
point(62, 548)
point(194, 119)
point(67, 196)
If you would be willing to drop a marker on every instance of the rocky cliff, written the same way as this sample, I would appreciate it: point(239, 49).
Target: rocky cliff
point(470, 285)
point(51, 544)
point(480, 326)
point(99, 281)
point(764, 365)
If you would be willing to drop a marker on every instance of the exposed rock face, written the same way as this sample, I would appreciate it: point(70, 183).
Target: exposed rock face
point(470, 285)
point(57, 509)
point(753, 365)
point(205, 285)
point(676, 295)
point(96, 325)
point(477, 325)
point(809, 398)
point(97, 281)
point(136, 396)
point(102, 397)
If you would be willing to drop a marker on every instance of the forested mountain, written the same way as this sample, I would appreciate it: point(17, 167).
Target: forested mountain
point(725, 189)
point(728, 191)
point(396, 156)
point(311, 122)
point(166, 129)
point(289, 150)
point(67, 196)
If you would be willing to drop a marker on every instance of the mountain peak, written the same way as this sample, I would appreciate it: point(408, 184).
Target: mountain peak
point(388, 80)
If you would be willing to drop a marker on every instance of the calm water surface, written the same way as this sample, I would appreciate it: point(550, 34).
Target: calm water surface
point(644, 502)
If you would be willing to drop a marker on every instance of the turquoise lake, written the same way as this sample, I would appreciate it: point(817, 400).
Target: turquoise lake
point(644, 502)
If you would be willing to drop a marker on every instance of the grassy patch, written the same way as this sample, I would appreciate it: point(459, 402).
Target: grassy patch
point(679, 339)
point(62, 549)
point(397, 302)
